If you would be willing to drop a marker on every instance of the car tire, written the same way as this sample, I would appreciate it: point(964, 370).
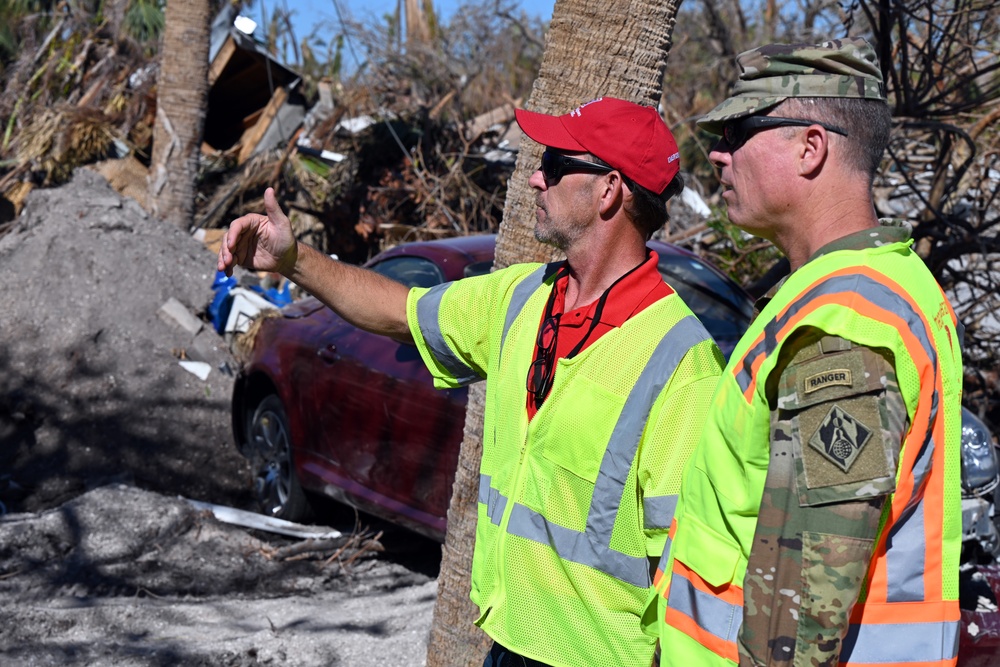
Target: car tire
point(276, 487)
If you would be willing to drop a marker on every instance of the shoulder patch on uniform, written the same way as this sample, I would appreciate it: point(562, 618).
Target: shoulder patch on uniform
point(829, 378)
point(840, 438)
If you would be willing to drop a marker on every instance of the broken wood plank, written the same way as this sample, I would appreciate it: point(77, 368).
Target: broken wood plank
point(484, 121)
point(252, 136)
point(221, 60)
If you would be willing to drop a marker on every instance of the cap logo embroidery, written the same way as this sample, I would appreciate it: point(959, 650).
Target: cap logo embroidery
point(673, 158)
point(576, 111)
point(840, 438)
point(831, 378)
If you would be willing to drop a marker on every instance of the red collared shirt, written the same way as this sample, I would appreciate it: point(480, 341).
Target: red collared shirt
point(638, 290)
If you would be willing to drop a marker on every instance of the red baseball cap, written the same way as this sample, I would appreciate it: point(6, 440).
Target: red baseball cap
point(630, 137)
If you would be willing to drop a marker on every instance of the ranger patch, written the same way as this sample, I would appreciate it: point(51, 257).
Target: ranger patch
point(830, 378)
point(840, 438)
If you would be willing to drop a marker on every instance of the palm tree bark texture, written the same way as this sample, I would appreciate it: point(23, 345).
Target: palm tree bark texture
point(181, 105)
point(593, 49)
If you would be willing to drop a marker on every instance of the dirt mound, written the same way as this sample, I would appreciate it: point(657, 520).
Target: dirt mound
point(101, 430)
point(92, 390)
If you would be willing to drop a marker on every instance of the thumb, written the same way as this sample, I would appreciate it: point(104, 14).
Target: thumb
point(271, 207)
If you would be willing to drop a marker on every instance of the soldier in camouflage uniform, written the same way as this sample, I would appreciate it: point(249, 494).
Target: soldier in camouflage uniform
point(838, 419)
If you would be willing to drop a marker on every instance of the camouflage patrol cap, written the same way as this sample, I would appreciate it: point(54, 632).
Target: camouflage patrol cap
point(773, 73)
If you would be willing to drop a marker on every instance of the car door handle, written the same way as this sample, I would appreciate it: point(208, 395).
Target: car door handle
point(328, 353)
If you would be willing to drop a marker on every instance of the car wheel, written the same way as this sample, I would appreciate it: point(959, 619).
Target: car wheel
point(275, 485)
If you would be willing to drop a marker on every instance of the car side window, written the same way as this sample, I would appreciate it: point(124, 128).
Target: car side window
point(719, 305)
point(478, 268)
point(411, 271)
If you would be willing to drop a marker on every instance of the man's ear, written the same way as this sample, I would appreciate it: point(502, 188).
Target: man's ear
point(613, 193)
point(813, 150)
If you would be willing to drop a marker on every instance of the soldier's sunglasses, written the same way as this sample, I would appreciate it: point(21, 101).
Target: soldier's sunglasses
point(736, 132)
point(554, 165)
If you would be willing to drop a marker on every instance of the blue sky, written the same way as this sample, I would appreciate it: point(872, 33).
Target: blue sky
point(307, 13)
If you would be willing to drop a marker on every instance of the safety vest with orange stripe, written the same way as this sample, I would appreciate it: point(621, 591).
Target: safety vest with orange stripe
point(908, 613)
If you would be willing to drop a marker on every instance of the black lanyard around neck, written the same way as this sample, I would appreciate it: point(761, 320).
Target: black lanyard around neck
point(598, 311)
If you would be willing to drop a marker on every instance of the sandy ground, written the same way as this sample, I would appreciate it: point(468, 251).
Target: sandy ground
point(101, 434)
point(122, 576)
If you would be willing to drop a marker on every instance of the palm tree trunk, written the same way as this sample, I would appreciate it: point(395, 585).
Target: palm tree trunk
point(181, 105)
point(593, 49)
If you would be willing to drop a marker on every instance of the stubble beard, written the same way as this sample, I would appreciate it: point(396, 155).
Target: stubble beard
point(548, 233)
point(551, 237)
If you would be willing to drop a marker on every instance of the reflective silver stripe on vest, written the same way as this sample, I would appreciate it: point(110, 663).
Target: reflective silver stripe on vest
point(925, 458)
point(521, 294)
point(904, 560)
point(592, 547)
point(428, 310)
point(905, 543)
point(876, 292)
point(712, 614)
point(495, 501)
point(892, 643)
point(658, 511)
point(665, 558)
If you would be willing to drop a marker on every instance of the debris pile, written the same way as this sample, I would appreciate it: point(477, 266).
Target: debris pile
point(101, 563)
point(357, 172)
point(356, 184)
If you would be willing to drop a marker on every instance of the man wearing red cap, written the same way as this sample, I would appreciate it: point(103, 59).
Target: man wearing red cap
point(595, 367)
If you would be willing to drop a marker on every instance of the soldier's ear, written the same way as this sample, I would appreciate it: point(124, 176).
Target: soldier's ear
point(813, 148)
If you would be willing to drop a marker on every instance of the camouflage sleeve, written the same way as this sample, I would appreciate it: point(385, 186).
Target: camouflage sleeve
point(837, 422)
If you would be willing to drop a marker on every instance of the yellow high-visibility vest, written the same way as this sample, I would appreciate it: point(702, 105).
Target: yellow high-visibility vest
point(574, 503)
point(878, 298)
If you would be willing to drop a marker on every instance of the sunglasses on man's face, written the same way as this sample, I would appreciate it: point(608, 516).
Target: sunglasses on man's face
point(736, 132)
point(554, 165)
